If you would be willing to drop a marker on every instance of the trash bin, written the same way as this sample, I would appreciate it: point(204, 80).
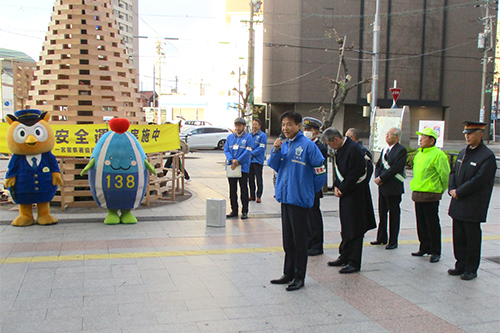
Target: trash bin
point(216, 213)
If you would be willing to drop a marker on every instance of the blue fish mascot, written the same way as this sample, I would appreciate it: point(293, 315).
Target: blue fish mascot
point(33, 173)
point(118, 173)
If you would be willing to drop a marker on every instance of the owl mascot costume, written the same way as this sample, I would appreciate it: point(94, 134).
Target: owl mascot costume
point(118, 173)
point(33, 173)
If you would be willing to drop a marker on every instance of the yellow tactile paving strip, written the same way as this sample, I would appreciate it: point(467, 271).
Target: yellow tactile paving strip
point(128, 255)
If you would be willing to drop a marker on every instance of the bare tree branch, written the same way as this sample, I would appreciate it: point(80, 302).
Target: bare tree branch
point(340, 87)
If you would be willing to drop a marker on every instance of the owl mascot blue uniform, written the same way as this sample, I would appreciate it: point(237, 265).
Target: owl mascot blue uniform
point(118, 172)
point(33, 173)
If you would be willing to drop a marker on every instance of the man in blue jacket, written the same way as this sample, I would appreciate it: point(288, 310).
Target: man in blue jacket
point(257, 161)
point(238, 150)
point(301, 173)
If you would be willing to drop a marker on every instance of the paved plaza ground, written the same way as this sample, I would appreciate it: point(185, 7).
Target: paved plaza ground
point(171, 273)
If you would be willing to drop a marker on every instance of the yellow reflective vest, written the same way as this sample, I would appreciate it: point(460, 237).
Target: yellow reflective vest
point(431, 171)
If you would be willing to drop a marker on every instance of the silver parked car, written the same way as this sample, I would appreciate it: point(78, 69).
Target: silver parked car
point(205, 136)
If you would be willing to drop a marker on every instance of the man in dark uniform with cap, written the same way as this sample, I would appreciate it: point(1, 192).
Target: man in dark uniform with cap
point(311, 128)
point(470, 186)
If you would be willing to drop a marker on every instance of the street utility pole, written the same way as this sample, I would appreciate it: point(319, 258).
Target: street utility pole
point(485, 42)
point(375, 66)
point(254, 8)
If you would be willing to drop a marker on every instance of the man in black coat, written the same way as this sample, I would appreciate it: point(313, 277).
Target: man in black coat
point(356, 207)
point(390, 176)
point(470, 186)
point(311, 128)
point(353, 133)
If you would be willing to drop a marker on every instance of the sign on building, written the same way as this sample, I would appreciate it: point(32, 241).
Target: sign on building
point(383, 120)
point(437, 125)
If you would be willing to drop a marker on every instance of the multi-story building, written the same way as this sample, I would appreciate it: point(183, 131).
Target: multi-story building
point(429, 47)
point(126, 15)
point(17, 72)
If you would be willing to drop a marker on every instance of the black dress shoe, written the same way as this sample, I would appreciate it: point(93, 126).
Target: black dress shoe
point(338, 262)
point(435, 258)
point(468, 276)
point(232, 214)
point(295, 285)
point(378, 243)
point(349, 269)
point(391, 246)
point(418, 254)
point(314, 252)
point(244, 216)
point(251, 199)
point(283, 280)
point(455, 271)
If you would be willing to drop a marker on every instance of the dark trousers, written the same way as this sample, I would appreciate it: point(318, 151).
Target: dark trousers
point(316, 225)
point(351, 250)
point(389, 205)
point(428, 227)
point(168, 164)
point(233, 193)
point(254, 176)
point(295, 238)
point(467, 245)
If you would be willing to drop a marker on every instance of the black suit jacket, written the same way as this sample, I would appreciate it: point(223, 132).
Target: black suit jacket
point(397, 161)
point(473, 177)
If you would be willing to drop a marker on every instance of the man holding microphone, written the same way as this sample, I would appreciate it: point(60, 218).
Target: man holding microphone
point(299, 164)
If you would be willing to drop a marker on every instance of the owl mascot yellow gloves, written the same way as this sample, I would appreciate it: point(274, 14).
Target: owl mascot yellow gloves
point(33, 173)
point(118, 173)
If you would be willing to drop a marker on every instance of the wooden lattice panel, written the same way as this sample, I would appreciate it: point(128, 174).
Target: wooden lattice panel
point(23, 76)
point(84, 73)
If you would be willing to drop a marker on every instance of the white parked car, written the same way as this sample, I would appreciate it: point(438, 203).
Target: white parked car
point(197, 123)
point(185, 125)
point(205, 136)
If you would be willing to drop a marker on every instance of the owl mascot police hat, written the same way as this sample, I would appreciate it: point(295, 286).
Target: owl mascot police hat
point(118, 173)
point(33, 173)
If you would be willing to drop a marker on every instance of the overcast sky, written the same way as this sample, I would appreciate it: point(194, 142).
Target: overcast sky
point(197, 23)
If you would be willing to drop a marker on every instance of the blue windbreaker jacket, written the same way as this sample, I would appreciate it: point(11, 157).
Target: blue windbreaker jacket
point(259, 147)
point(301, 173)
point(239, 148)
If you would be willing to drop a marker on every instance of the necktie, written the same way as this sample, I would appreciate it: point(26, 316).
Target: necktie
point(34, 162)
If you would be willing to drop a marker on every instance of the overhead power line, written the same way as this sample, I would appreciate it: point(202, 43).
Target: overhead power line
point(404, 13)
point(361, 60)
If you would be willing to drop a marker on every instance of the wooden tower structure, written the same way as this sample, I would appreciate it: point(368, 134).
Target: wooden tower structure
point(84, 75)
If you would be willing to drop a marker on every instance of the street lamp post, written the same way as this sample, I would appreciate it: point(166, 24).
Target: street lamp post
point(375, 69)
point(241, 74)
